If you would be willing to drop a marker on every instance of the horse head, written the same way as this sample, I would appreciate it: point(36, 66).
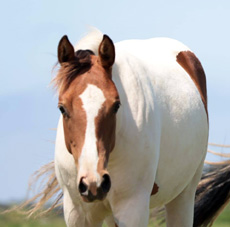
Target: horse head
point(88, 101)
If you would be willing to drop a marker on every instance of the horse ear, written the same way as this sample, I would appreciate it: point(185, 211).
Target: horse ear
point(106, 52)
point(65, 50)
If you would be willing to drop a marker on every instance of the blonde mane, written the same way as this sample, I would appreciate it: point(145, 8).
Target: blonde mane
point(91, 41)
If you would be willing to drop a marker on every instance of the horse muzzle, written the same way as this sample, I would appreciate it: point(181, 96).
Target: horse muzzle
point(90, 191)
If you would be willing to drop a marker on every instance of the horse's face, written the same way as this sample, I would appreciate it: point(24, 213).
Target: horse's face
point(89, 101)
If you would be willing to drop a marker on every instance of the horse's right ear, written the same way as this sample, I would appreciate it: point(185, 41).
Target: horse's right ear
point(65, 50)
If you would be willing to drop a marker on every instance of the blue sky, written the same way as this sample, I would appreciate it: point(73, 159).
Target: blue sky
point(30, 32)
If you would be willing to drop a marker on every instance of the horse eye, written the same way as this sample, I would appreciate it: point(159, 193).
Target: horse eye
point(116, 106)
point(63, 111)
point(61, 108)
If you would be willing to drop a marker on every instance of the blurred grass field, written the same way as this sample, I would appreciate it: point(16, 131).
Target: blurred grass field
point(17, 220)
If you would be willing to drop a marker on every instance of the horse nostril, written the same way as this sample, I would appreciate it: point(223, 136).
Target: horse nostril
point(82, 187)
point(106, 183)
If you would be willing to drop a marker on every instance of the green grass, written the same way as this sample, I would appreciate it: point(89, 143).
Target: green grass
point(224, 219)
point(16, 220)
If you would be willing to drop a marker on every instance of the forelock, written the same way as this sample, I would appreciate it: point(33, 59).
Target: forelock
point(70, 70)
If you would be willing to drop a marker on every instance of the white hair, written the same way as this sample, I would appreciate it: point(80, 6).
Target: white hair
point(91, 41)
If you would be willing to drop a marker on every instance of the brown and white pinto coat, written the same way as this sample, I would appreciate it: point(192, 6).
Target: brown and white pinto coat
point(148, 153)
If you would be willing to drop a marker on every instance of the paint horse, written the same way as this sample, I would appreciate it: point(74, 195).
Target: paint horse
point(133, 132)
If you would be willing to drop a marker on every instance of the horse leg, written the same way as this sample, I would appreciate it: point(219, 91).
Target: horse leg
point(132, 212)
point(110, 221)
point(71, 213)
point(75, 216)
point(180, 211)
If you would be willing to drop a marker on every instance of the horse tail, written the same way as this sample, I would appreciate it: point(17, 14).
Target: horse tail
point(45, 180)
point(213, 194)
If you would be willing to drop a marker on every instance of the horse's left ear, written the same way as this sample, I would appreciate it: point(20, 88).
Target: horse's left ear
point(106, 52)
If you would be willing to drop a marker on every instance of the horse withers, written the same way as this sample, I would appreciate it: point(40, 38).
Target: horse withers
point(133, 131)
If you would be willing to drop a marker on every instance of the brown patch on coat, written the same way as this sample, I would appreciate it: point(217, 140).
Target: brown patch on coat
point(193, 67)
point(155, 189)
point(105, 124)
point(74, 136)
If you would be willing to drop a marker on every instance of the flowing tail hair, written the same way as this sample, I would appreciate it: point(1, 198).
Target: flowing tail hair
point(45, 181)
point(213, 191)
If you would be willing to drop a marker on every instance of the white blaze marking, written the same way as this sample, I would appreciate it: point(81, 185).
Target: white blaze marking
point(92, 99)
